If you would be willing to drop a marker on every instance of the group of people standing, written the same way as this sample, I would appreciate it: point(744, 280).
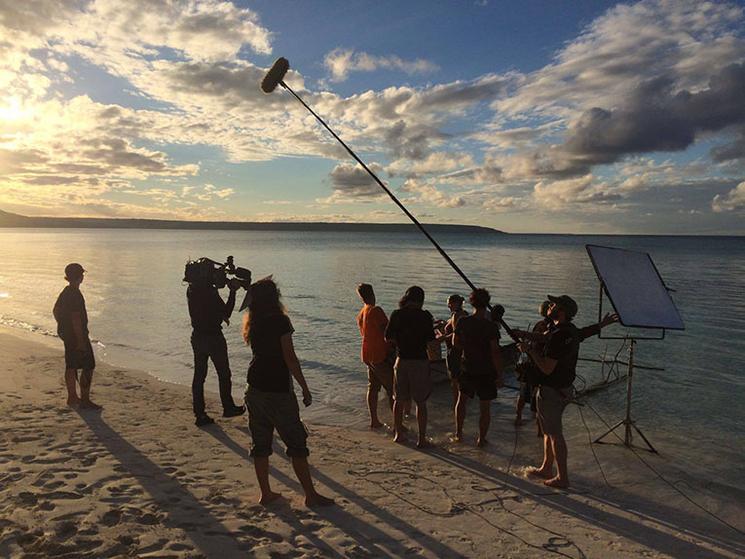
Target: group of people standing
point(395, 352)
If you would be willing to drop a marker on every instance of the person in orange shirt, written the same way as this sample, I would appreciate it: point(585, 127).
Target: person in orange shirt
point(376, 352)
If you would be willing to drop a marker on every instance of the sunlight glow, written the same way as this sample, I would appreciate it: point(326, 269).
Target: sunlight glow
point(11, 109)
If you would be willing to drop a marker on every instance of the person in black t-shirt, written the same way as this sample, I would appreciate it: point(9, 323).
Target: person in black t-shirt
point(410, 328)
point(270, 397)
point(478, 337)
point(557, 361)
point(208, 311)
point(72, 327)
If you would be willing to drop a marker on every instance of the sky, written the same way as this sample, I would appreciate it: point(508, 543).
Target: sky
point(529, 117)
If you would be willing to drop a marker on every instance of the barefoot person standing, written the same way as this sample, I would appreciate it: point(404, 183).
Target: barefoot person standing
point(411, 328)
point(72, 327)
point(270, 397)
point(557, 362)
point(478, 337)
point(372, 321)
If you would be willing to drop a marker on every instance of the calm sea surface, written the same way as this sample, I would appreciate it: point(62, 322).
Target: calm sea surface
point(136, 302)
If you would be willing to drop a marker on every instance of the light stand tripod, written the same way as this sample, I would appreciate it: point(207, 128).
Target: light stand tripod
point(627, 422)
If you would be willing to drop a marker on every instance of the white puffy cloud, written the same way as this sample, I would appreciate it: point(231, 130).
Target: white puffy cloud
point(341, 62)
point(733, 201)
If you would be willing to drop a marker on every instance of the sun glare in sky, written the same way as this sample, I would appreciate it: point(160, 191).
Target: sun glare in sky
point(603, 117)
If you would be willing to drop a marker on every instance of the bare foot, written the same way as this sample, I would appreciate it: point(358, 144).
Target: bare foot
point(375, 424)
point(399, 438)
point(88, 405)
point(318, 500)
point(556, 483)
point(540, 472)
point(73, 402)
point(269, 497)
point(423, 443)
point(481, 443)
point(457, 438)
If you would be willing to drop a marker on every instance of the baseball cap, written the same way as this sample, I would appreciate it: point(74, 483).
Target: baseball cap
point(73, 270)
point(567, 304)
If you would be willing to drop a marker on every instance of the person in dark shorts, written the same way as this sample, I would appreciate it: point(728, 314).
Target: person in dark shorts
point(454, 353)
point(411, 328)
point(270, 397)
point(72, 327)
point(208, 311)
point(376, 352)
point(478, 337)
point(556, 359)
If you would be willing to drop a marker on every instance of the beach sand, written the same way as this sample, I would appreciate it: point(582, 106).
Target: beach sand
point(139, 480)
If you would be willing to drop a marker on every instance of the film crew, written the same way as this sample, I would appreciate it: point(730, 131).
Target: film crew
point(556, 364)
point(270, 396)
point(376, 353)
point(411, 328)
point(453, 353)
point(208, 311)
point(72, 327)
point(478, 337)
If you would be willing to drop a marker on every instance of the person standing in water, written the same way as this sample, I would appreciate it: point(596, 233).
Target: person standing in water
point(478, 337)
point(270, 397)
point(454, 353)
point(72, 327)
point(410, 329)
point(371, 322)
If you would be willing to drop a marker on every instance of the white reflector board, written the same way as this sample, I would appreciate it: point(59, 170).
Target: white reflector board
point(635, 288)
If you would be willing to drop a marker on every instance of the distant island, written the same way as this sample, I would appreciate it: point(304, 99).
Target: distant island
point(8, 219)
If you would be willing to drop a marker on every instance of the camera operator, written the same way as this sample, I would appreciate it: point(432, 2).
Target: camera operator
point(208, 311)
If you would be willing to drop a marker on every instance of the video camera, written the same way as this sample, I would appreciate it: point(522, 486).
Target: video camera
point(206, 271)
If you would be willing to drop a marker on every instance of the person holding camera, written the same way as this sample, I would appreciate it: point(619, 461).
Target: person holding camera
point(208, 311)
point(270, 396)
point(72, 327)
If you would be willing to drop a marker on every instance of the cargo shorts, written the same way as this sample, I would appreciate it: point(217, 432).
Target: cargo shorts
point(268, 411)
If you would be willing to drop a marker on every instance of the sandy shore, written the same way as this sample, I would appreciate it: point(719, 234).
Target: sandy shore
point(139, 480)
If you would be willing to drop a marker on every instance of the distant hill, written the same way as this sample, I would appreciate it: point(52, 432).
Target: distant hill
point(15, 220)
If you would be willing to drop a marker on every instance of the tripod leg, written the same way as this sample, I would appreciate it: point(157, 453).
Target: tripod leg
point(651, 448)
point(609, 431)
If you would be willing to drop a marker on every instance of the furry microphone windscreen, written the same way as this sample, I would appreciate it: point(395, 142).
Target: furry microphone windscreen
point(275, 75)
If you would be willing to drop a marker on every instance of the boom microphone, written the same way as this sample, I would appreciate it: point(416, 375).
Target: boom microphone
point(275, 75)
point(274, 78)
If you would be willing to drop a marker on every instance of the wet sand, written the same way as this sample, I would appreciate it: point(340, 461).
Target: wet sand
point(139, 480)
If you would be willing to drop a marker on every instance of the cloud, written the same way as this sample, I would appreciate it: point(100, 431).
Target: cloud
point(570, 192)
point(733, 201)
point(426, 192)
point(341, 62)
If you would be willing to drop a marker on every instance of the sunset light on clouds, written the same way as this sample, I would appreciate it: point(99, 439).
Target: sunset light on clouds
point(594, 117)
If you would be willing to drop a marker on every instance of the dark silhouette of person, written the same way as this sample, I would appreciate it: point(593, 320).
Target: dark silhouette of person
point(270, 396)
point(208, 311)
point(72, 327)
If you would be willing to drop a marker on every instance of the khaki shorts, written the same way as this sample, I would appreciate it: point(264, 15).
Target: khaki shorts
point(380, 374)
point(268, 411)
point(551, 403)
point(412, 380)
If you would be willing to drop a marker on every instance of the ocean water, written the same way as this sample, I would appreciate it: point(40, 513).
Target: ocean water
point(137, 307)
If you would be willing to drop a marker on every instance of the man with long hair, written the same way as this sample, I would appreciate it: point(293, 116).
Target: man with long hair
point(270, 397)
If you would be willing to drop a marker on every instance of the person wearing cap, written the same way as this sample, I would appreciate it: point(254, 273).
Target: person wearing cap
point(410, 328)
point(454, 353)
point(376, 352)
point(557, 362)
point(478, 337)
point(72, 327)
